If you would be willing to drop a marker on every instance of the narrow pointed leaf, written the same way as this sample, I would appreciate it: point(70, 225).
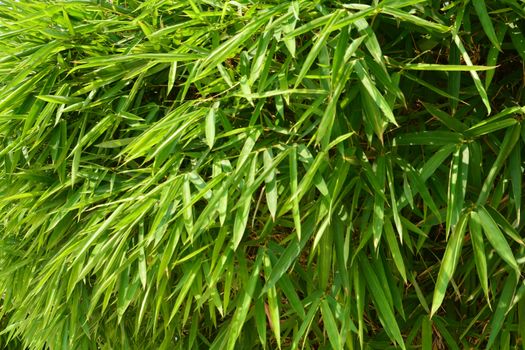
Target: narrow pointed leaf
point(449, 263)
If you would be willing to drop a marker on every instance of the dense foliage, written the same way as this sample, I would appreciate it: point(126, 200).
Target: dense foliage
point(262, 174)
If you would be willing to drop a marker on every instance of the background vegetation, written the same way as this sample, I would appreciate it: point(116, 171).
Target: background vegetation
point(262, 174)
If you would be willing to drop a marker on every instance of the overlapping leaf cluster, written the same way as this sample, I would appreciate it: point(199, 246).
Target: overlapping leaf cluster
point(298, 174)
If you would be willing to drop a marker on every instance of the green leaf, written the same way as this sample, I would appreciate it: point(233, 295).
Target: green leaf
point(210, 124)
point(449, 263)
point(492, 57)
point(273, 305)
point(305, 325)
point(452, 123)
point(261, 58)
point(516, 176)
point(516, 35)
point(379, 202)
point(433, 163)
point(486, 22)
point(490, 126)
point(288, 257)
point(242, 213)
point(383, 307)
point(419, 185)
point(418, 21)
point(426, 333)
point(509, 141)
point(316, 49)
point(457, 186)
point(271, 183)
point(373, 92)
point(445, 67)
point(502, 308)
point(326, 124)
point(480, 255)
point(393, 201)
point(330, 325)
point(394, 249)
point(244, 303)
point(496, 238)
point(432, 87)
point(473, 73)
point(293, 192)
point(115, 143)
point(171, 77)
point(429, 138)
point(260, 321)
point(188, 208)
point(59, 99)
point(504, 224)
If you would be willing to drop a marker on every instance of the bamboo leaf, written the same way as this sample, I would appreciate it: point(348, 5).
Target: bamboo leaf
point(373, 92)
point(210, 124)
point(430, 138)
point(473, 73)
point(457, 187)
point(449, 263)
point(509, 141)
point(502, 308)
point(316, 48)
point(271, 183)
point(331, 326)
point(171, 77)
point(479, 252)
point(242, 310)
point(486, 22)
point(385, 309)
point(241, 216)
point(496, 238)
point(446, 67)
point(394, 249)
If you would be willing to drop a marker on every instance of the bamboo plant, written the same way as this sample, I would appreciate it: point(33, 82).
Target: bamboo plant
point(305, 174)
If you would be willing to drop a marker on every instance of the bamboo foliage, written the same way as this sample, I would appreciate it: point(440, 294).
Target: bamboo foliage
point(242, 175)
